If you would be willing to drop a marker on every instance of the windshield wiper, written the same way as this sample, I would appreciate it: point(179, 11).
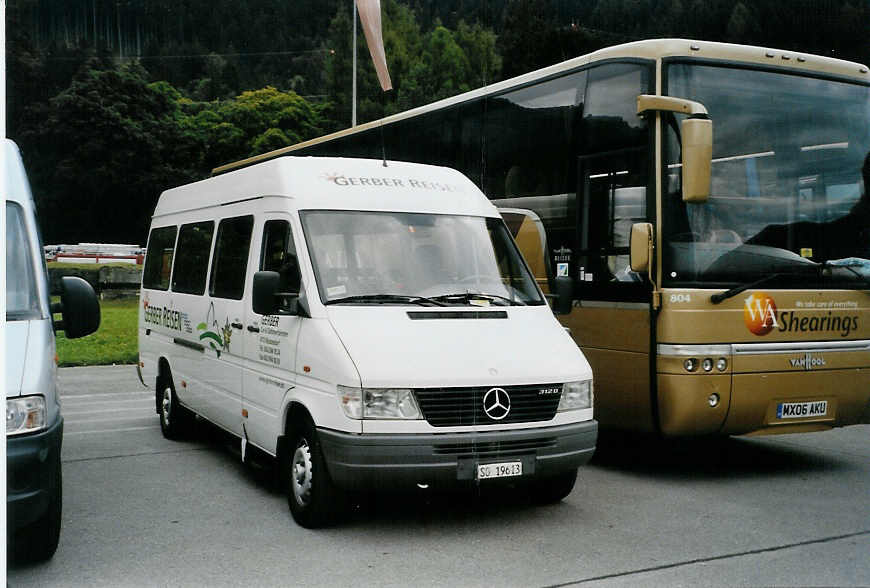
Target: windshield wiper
point(717, 298)
point(386, 299)
point(469, 296)
point(850, 263)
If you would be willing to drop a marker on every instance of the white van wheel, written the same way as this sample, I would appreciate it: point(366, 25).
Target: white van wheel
point(300, 474)
point(38, 541)
point(313, 499)
point(173, 416)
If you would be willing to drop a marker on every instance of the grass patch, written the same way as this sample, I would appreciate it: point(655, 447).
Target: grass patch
point(115, 342)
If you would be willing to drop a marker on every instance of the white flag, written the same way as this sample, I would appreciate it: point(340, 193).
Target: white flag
point(370, 16)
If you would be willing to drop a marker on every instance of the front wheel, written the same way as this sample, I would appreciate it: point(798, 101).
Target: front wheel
point(313, 498)
point(38, 541)
point(553, 489)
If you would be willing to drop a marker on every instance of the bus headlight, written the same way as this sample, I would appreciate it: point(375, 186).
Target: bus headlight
point(25, 415)
point(576, 395)
point(378, 403)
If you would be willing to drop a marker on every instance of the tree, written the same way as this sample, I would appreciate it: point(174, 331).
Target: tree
point(106, 148)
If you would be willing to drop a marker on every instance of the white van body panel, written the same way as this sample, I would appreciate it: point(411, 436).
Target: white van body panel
point(391, 350)
point(337, 184)
point(30, 346)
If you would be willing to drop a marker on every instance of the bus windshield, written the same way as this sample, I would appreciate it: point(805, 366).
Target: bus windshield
point(393, 257)
point(22, 297)
point(787, 201)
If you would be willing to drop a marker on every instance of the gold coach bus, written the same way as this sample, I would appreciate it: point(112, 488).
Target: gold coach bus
point(705, 202)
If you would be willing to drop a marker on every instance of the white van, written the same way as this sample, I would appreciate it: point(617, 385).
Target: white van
point(370, 324)
point(34, 425)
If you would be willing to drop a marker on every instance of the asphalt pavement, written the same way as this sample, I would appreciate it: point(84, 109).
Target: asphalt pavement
point(791, 510)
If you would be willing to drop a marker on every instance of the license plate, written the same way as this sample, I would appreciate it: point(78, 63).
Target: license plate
point(486, 471)
point(799, 410)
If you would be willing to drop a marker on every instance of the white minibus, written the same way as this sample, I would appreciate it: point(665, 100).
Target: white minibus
point(370, 324)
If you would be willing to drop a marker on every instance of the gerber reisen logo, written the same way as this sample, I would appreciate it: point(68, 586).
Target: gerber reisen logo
point(496, 403)
point(807, 362)
point(759, 313)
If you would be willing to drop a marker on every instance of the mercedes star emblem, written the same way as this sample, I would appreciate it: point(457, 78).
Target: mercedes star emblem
point(496, 403)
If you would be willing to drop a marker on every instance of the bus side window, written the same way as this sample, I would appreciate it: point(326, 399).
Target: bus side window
point(611, 204)
point(613, 173)
point(191, 259)
point(231, 257)
point(158, 258)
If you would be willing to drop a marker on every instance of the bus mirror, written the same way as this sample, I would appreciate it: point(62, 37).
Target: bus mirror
point(564, 295)
point(697, 150)
point(641, 246)
point(265, 288)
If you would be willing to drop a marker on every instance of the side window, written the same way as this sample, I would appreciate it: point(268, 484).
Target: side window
point(191, 259)
point(614, 175)
point(279, 255)
point(158, 258)
point(532, 137)
point(230, 261)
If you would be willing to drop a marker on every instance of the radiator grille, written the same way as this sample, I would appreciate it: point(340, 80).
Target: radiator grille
point(457, 407)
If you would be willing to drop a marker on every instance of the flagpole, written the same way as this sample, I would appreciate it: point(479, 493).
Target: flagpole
point(353, 99)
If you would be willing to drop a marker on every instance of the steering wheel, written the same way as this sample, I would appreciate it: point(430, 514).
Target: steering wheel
point(725, 236)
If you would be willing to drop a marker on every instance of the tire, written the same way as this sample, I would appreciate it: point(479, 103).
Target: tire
point(313, 498)
point(174, 418)
point(553, 489)
point(38, 541)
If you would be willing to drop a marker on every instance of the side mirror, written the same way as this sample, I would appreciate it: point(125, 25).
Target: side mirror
point(641, 246)
point(564, 295)
point(267, 299)
point(265, 287)
point(697, 137)
point(697, 141)
point(79, 308)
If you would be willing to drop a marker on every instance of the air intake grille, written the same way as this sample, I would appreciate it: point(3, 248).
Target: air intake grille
point(458, 407)
point(494, 448)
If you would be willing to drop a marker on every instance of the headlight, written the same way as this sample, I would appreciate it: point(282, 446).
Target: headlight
point(378, 403)
point(25, 414)
point(576, 395)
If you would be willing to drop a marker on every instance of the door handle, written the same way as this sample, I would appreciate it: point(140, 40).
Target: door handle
point(237, 325)
point(253, 329)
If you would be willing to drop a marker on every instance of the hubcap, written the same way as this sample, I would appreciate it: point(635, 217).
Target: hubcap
point(300, 473)
point(167, 405)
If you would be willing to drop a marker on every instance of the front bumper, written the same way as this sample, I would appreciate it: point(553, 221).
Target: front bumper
point(449, 459)
point(31, 474)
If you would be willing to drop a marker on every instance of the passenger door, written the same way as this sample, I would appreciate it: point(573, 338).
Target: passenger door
point(270, 341)
point(222, 328)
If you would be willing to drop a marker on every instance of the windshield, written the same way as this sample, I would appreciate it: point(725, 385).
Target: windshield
point(787, 196)
point(394, 257)
point(22, 297)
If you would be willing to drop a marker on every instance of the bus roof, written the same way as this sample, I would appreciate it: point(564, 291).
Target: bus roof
point(337, 184)
point(652, 49)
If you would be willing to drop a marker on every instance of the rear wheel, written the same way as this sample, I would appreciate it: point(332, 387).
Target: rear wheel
point(174, 418)
point(313, 498)
point(553, 489)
